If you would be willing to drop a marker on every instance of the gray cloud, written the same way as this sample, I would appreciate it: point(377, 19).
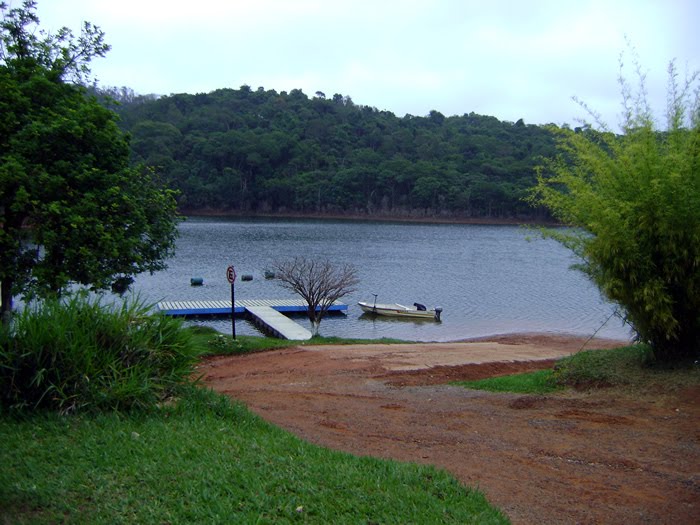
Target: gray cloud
point(508, 59)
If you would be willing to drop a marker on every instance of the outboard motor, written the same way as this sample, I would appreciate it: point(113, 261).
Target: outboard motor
point(438, 311)
point(420, 307)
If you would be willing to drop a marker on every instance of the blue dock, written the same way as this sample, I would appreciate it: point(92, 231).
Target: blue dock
point(212, 308)
point(265, 313)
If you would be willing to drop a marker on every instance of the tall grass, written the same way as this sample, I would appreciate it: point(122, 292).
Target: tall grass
point(79, 354)
point(603, 368)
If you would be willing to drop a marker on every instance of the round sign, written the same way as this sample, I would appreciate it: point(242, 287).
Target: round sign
point(230, 274)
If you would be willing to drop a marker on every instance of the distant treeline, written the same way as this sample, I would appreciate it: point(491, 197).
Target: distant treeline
point(259, 151)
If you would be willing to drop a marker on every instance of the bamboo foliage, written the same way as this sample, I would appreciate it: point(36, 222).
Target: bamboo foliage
point(635, 201)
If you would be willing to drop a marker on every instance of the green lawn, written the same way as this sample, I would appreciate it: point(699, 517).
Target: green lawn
point(204, 459)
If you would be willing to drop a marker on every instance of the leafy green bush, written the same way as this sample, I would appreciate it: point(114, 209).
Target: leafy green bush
point(635, 199)
point(81, 355)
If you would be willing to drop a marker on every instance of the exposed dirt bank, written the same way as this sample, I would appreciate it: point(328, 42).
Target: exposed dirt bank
point(578, 457)
point(363, 217)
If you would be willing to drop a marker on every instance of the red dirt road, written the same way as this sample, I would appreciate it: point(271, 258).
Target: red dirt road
point(577, 457)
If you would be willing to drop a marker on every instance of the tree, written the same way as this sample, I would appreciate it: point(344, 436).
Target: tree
point(319, 282)
point(72, 210)
point(363, 161)
point(635, 200)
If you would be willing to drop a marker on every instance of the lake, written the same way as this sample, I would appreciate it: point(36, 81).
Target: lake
point(488, 279)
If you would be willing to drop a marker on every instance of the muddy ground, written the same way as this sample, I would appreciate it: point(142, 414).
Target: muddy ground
point(605, 456)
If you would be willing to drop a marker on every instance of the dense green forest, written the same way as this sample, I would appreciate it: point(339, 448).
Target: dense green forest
point(259, 151)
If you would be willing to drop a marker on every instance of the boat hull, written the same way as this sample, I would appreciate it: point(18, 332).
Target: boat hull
point(398, 310)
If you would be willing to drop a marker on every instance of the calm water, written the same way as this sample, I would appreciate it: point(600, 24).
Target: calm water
point(488, 279)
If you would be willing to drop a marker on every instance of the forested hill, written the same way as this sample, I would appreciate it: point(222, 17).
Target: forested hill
point(258, 151)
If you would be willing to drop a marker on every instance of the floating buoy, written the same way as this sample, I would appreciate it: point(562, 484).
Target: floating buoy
point(246, 277)
point(196, 281)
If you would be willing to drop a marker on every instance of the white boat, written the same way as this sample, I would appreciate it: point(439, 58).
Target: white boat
point(417, 311)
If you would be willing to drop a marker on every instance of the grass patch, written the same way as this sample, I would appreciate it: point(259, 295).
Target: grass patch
point(631, 367)
point(204, 459)
point(538, 382)
point(212, 342)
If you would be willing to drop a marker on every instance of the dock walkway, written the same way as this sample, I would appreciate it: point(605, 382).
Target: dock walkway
point(278, 324)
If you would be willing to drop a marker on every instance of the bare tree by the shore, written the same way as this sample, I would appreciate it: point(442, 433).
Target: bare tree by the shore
point(319, 282)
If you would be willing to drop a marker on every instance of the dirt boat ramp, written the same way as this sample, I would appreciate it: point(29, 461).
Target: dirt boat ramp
point(603, 456)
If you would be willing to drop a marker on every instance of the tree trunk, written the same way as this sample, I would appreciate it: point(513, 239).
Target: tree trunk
point(315, 327)
point(314, 319)
point(6, 300)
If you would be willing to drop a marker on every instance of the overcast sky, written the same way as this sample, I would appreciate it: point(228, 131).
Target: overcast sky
point(507, 58)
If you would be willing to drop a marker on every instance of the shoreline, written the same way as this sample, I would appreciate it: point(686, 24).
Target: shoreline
point(484, 221)
point(559, 337)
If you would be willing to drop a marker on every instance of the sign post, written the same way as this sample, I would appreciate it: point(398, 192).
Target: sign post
point(231, 276)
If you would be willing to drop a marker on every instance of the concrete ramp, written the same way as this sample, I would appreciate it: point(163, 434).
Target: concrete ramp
point(276, 323)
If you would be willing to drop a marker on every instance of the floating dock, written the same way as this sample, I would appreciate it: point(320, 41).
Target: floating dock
point(212, 308)
point(265, 313)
